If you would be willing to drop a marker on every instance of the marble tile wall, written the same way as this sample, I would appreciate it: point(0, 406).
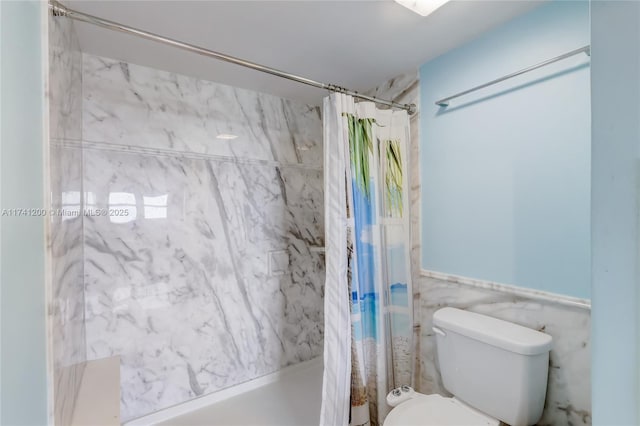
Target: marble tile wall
point(569, 385)
point(569, 389)
point(64, 93)
point(202, 275)
point(135, 106)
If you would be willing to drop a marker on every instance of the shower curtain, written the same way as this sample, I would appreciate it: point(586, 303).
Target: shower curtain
point(368, 310)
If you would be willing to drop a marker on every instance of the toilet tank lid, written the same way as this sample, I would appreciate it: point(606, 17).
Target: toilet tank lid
point(492, 331)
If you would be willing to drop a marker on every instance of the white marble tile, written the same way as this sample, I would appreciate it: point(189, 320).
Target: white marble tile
point(133, 105)
point(64, 95)
point(181, 290)
point(65, 80)
point(569, 387)
point(529, 293)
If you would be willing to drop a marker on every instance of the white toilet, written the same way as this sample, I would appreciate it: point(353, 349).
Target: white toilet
point(496, 370)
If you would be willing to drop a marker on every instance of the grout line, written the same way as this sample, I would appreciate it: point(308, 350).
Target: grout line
point(159, 152)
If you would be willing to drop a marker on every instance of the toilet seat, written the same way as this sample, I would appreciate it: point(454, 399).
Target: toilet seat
point(435, 410)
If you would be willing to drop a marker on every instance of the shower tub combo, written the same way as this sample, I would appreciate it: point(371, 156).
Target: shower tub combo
point(289, 397)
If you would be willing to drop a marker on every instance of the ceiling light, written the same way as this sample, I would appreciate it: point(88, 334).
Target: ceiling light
point(422, 7)
point(226, 136)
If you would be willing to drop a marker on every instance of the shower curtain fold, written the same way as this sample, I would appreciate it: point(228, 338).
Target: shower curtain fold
point(337, 335)
point(367, 290)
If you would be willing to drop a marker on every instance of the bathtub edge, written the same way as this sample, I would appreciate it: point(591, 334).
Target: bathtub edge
point(201, 402)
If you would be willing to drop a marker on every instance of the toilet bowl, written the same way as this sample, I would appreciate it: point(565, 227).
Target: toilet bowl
point(496, 371)
point(436, 410)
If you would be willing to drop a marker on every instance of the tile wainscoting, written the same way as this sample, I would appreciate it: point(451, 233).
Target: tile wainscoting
point(566, 319)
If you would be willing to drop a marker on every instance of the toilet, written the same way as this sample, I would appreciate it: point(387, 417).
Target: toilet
point(495, 370)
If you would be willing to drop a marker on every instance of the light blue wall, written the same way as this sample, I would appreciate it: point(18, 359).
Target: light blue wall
point(615, 87)
point(22, 313)
point(505, 172)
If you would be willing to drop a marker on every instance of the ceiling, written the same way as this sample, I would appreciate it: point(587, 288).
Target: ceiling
point(354, 44)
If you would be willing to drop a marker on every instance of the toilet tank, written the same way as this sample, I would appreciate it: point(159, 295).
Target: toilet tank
point(495, 366)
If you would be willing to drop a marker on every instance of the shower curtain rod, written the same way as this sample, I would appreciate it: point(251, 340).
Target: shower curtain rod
point(60, 10)
point(586, 49)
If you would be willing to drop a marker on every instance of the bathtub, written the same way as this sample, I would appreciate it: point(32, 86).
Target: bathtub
point(289, 397)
